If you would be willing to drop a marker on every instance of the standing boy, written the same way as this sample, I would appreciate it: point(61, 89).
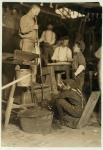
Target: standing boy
point(78, 65)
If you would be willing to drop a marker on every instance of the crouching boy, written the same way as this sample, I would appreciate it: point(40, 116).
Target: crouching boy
point(69, 104)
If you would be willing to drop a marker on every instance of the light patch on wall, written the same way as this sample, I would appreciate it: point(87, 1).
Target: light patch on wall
point(68, 13)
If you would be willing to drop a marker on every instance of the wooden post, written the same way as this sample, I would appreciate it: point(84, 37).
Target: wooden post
point(34, 72)
point(91, 79)
point(53, 80)
point(9, 105)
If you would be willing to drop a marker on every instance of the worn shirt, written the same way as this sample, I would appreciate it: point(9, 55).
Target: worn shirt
point(48, 37)
point(27, 30)
point(62, 54)
point(78, 59)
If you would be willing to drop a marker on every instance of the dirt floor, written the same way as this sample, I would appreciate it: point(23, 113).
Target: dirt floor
point(89, 136)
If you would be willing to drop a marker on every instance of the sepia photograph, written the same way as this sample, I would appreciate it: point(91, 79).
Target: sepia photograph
point(51, 74)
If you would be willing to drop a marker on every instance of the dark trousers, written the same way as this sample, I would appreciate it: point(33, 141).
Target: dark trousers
point(47, 52)
point(69, 107)
point(79, 80)
point(65, 107)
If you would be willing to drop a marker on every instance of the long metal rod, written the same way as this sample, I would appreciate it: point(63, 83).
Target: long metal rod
point(41, 72)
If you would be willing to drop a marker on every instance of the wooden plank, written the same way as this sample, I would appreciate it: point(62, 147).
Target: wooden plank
point(23, 105)
point(88, 109)
point(15, 81)
point(9, 105)
point(24, 56)
point(59, 63)
point(7, 55)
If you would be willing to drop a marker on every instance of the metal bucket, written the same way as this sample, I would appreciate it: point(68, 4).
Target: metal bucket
point(25, 82)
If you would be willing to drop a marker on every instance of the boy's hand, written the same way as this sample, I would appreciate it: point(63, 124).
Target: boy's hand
point(75, 75)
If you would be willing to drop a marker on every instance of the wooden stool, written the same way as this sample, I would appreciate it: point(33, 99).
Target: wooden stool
point(88, 110)
point(10, 103)
point(18, 58)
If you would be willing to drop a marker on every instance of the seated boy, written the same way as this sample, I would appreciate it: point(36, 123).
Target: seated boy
point(62, 53)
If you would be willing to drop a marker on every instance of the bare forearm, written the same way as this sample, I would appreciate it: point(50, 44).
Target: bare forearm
point(79, 70)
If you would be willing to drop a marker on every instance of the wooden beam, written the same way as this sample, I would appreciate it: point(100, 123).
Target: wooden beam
point(88, 109)
point(9, 105)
